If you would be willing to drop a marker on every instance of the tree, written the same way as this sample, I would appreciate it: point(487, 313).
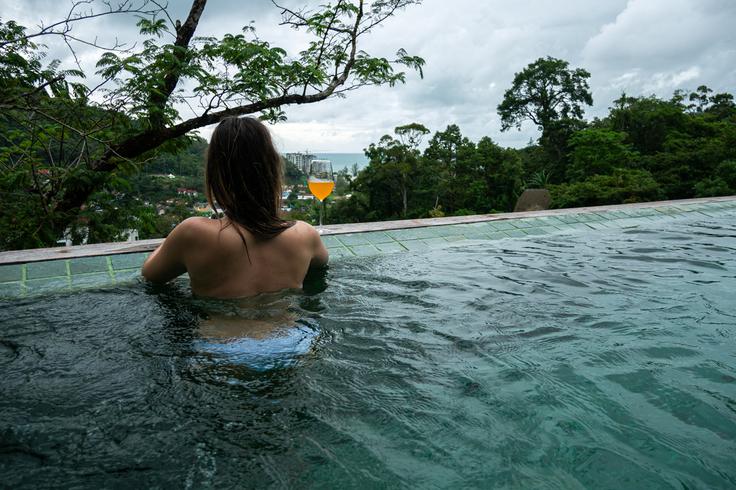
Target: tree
point(597, 151)
point(551, 95)
point(83, 134)
point(502, 172)
point(411, 135)
point(622, 186)
point(392, 164)
point(448, 153)
point(544, 92)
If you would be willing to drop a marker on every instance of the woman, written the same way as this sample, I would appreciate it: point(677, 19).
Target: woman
point(250, 250)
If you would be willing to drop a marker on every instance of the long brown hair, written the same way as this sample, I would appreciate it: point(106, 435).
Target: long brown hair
point(243, 176)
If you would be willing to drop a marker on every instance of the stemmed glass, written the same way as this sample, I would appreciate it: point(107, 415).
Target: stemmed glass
point(321, 183)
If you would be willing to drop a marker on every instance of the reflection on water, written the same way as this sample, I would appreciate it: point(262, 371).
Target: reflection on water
point(588, 361)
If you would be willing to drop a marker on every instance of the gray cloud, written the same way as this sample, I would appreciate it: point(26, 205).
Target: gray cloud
point(472, 51)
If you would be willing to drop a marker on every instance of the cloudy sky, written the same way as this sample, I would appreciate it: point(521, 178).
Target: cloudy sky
point(472, 49)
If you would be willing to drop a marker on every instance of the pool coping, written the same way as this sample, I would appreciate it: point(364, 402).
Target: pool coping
point(117, 248)
point(30, 273)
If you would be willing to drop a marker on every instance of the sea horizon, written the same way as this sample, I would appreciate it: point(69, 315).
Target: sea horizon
point(343, 160)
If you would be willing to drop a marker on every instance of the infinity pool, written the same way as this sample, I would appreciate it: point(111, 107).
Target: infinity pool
point(598, 360)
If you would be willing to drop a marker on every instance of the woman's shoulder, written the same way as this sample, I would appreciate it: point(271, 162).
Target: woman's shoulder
point(196, 225)
point(304, 229)
point(195, 230)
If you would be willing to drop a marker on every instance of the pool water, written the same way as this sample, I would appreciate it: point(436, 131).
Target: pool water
point(600, 360)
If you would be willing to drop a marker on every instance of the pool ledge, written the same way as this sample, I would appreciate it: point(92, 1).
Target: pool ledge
point(25, 272)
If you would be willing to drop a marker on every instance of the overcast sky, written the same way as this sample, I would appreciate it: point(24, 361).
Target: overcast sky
point(472, 49)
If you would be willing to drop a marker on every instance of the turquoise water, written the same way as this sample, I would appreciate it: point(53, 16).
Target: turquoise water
point(344, 160)
point(601, 360)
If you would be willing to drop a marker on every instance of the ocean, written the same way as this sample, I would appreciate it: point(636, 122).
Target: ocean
point(344, 160)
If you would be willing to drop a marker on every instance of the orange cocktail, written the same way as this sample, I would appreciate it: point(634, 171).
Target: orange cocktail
point(321, 188)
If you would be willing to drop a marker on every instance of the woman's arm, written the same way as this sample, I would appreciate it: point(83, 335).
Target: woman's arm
point(321, 256)
point(167, 261)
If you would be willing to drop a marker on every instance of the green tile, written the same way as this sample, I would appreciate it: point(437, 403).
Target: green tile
point(415, 245)
point(47, 285)
point(10, 273)
point(128, 261)
point(606, 215)
point(400, 235)
point(541, 230)
point(522, 223)
point(476, 235)
point(535, 222)
point(515, 233)
point(446, 230)
point(336, 252)
point(364, 250)
point(618, 214)
point(485, 227)
point(629, 222)
point(10, 289)
point(405, 234)
point(567, 218)
point(535, 231)
point(437, 231)
point(550, 229)
point(435, 242)
point(427, 232)
point(85, 265)
point(91, 280)
point(377, 237)
point(502, 225)
point(478, 225)
point(331, 241)
point(553, 220)
point(351, 239)
point(455, 238)
point(576, 226)
point(587, 217)
point(711, 213)
point(601, 225)
point(390, 247)
point(497, 235)
point(51, 268)
point(642, 212)
point(127, 275)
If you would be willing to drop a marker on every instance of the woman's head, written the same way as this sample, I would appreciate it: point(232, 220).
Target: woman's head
point(243, 176)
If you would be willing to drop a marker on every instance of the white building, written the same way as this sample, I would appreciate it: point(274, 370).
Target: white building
point(301, 160)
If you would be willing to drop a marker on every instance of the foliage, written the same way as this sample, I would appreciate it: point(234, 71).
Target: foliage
point(94, 169)
point(551, 95)
point(597, 151)
point(83, 135)
point(543, 92)
point(646, 148)
point(621, 186)
point(722, 183)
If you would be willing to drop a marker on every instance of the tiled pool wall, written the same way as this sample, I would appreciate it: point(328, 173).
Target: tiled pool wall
point(33, 278)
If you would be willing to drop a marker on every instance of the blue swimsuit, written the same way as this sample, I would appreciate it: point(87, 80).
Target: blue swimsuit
point(281, 350)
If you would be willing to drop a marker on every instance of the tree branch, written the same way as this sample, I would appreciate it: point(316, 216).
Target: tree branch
point(183, 36)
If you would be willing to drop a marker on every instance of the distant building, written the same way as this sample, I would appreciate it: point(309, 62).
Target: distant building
point(130, 234)
point(186, 192)
point(203, 207)
point(301, 160)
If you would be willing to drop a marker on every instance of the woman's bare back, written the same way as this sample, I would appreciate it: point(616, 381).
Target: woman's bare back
point(213, 254)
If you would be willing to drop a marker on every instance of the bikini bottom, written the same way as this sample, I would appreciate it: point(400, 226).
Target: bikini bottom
point(261, 354)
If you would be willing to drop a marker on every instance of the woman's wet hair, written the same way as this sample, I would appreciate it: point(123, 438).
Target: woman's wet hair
point(243, 177)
